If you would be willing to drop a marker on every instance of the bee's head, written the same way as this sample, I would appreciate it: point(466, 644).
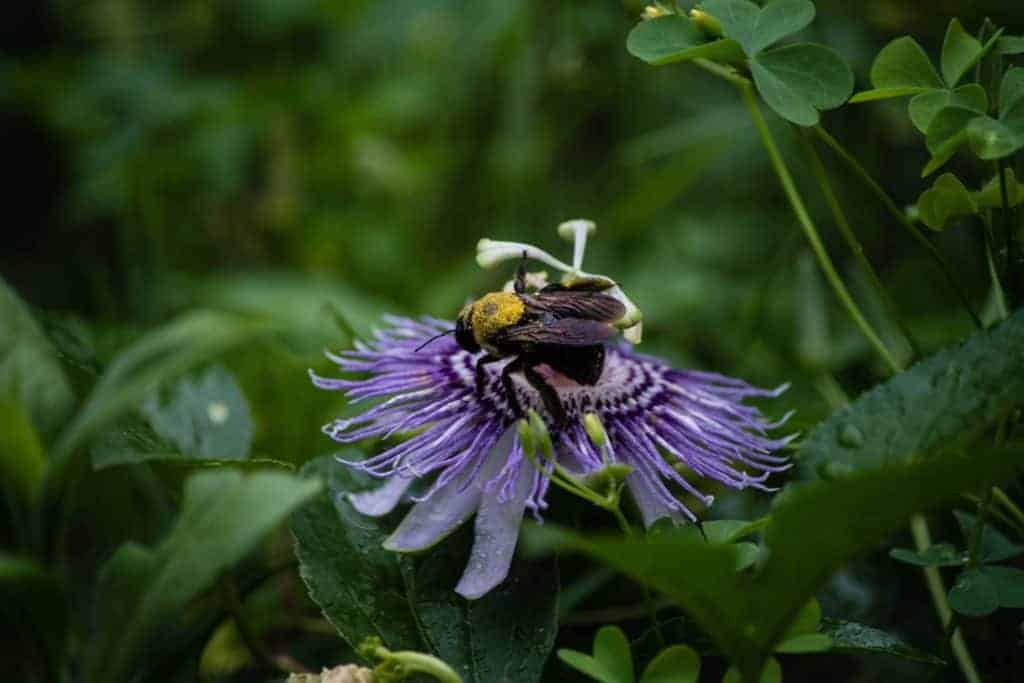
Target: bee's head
point(464, 330)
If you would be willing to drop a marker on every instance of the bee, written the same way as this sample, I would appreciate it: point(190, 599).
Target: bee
point(563, 327)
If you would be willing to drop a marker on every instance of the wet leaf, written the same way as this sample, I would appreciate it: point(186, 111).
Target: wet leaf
point(938, 555)
point(974, 594)
point(848, 636)
point(937, 403)
point(994, 546)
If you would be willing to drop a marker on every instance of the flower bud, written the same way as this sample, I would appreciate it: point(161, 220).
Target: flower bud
point(710, 26)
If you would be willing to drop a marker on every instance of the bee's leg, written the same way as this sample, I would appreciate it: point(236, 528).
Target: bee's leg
point(481, 374)
point(547, 393)
point(700, 528)
point(520, 281)
point(510, 386)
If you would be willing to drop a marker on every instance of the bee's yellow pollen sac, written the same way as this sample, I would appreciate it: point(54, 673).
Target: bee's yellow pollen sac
point(496, 311)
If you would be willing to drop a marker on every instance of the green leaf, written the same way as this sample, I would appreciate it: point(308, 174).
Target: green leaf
point(851, 637)
point(505, 635)
point(974, 594)
point(937, 403)
point(946, 200)
point(798, 81)
point(21, 455)
point(888, 93)
point(670, 39)
point(990, 196)
point(816, 527)
point(737, 17)
point(938, 555)
point(805, 644)
point(904, 64)
point(409, 602)
point(1010, 45)
point(224, 515)
point(674, 664)
point(1009, 585)
point(779, 19)
point(947, 131)
point(357, 584)
point(960, 51)
point(588, 665)
point(1011, 90)
point(924, 106)
point(612, 649)
point(993, 546)
point(205, 418)
point(991, 139)
point(771, 673)
point(157, 357)
point(611, 662)
point(29, 371)
point(755, 28)
point(806, 621)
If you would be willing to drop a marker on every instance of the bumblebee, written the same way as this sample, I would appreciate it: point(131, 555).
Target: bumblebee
point(563, 327)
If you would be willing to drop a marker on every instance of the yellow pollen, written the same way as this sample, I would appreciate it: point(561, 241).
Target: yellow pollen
point(495, 311)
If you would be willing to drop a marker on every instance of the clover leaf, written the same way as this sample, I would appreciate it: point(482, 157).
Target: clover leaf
point(943, 202)
point(989, 138)
point(903, 69)
point(756, 28)
point(674, 38)
point(612, 661)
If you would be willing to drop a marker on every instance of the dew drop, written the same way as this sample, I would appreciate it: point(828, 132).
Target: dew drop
point(850, 436)
point(218, 412)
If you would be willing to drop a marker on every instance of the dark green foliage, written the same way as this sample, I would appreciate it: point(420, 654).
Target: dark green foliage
point(409, 602)
point(206, 195)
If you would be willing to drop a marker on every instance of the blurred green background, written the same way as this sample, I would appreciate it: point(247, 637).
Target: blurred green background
point(279, 155)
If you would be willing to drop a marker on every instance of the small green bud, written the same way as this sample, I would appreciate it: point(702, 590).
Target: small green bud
point(653, 12)
point(609, 479)
point(527, 438)
point(543, 437)
point(705, 22)
point(595, 430)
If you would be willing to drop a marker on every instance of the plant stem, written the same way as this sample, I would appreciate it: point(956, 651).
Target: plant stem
point(979, 527)
point(900, 217)
point(1008, 503)
point(818, 171)
point(810, 231)
point(1013, 276)
point(937, 591)
point(234, 604)
point(997, 286)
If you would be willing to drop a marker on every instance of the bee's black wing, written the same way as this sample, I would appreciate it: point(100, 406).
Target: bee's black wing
point(564, 332)
point(569, 303)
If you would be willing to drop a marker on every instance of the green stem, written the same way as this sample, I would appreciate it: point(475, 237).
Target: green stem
point(900, 217)
point(979, 527)
point(1008, 503)
point(937, 591)
point(1013, 279)
point(993, 272)
point(810, 231)
point(252, 643)
point(818, 171)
